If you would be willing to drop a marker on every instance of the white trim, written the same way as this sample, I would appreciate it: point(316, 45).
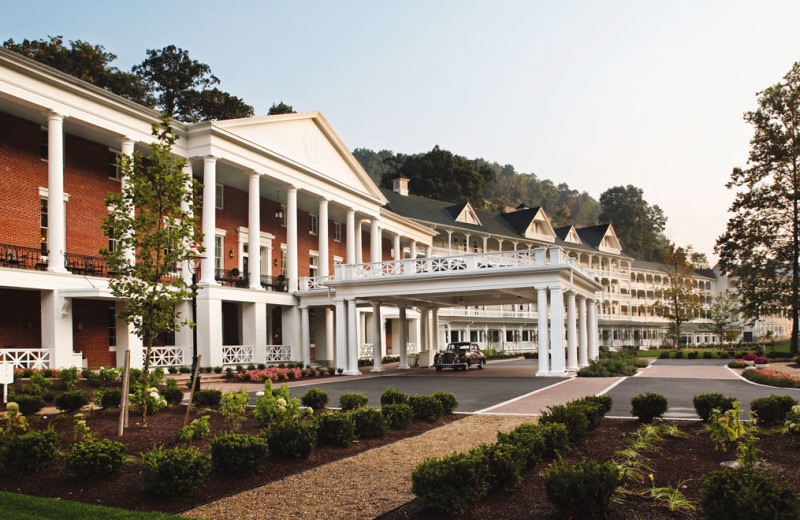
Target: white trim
point(44, 193)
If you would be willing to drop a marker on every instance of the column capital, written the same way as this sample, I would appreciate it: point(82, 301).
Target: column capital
point(291, 187)
point(323, 201)
point(53, 115)
point(209, 159)
point(253, 173)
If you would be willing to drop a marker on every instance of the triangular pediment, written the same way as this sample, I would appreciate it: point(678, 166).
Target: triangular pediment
point(568, 234)
point(309, 140)
point(464, 213)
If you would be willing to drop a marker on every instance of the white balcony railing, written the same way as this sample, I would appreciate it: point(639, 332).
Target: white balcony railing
point(26, 357)
point(314, 283)
point(411, 348)
point(365, 351)
point(166, 356)
point(237, 354)
point(279, 353)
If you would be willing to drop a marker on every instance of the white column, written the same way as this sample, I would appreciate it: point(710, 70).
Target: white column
point(352, 339)
point(209, 223)
point(485, 244)
point(56, 314)
point(209, 329)
point(436, 332)
point(425, 356)
point(254, 231)
point(572, 334)
point(340, 361)
point(305, 339)
point(403, 340)
point(413, 249)
point(186, 268)
point(351, 237)
point(377, 339)
point(254, 329)
point(322, 219)
point(593, 332)
point(398, 253)
point(329, 335)
point(544, 339)
point(183, 335)
point(291, 237)
point(359, 245)
point(56, 226)
point(126, 148)
point(583, 353)
point(429, 251)
point(556, 331)
point(449, 242)
point(375, 243)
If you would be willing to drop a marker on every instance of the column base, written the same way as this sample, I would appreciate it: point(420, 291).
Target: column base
point(582, 365)
point(572, 368)
point(351, 373)
point(426, 358)
point(378, 369)
point(550, 373)
point(403, 367)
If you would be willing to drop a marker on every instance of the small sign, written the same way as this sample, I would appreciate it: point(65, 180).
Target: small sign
point(6, 378)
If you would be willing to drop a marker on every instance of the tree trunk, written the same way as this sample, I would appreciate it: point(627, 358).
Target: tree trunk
point(145, 380)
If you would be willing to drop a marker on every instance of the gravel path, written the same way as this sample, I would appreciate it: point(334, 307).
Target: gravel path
point(360, 487)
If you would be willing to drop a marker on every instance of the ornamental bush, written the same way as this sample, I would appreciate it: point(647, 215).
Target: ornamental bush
point(32, 451)
point(335, 429)
point(207, 397)
point(704, 403)
point(504, 463)
point(72, 400)
point(95, 459)
point(69, 377)
point(648, 407)
point(744, 494)
point(172, 394)
point(173, 472)
point(426, 407)
point(582, 489)
point(110, 398)
point(369, 423)
point(351, 401)
point(290, 438)
point(594, 412)
point(237, 453)
point(393, 396)
point(772, 410)
point(573, 417)
point(398, 416)
point(450, 484)
point(28, 404)
point(315, 398)
point(448, 401)
point(604, 401)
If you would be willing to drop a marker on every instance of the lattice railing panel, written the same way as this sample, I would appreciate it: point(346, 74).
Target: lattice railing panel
point(279, 353)
point(26, 357)
point(237, 354)
point(166, 356)
point(365, 351)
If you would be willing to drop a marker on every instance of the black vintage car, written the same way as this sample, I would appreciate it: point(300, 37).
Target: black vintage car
point(459, 355)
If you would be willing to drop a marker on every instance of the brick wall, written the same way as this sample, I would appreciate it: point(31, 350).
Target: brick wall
point(20, 319)
point(90, 332)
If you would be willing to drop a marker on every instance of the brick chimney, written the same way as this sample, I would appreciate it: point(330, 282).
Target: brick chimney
point(400, 185)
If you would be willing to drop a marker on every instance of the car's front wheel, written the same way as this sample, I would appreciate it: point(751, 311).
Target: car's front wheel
point(469, 364)
point(483, 362)
point(438, 368)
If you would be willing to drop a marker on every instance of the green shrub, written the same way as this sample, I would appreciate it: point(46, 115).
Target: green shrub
point(704, 403)
point(335, 429)
point(692, 355)
point(173, 472)
point(110, 398)
point(426, 407)
point(234, 406)
point(663, 355)
point(95, 459)
point(290, 438)
point(69, 377)
point(32, 451)
point(450, 484)
point(448, 401)
point(398, 416)
point(197, 429)
point(172, 393)
point(369, 423)
point(237, 453)
point(584, 488)
point(315, 398)
point(207, 397)
point(573, 417)
point(351, 401)
point(594, 411)
point(393, 396)
point(28, 404)
point(679, 354)
point(505, 463)
point(772, 410)
point(604, 401)
point(744, 494)
point(648, 407)
point(610, 367)
point(72, 400)
point(708, 355)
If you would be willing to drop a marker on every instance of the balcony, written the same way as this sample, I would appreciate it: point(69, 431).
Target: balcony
point(19, 257)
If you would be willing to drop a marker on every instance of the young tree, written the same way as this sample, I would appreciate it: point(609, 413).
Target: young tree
point(681, 301)
point(762, 239)
point(724, 314)
point(153, 222)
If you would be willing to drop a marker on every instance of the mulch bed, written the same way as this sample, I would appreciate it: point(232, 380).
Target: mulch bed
point(679, 460)
point(124, 489)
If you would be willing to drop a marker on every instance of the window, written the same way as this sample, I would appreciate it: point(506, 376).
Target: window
point(220, 196)
point(219, 244)
point(313, 224)
point(112, 327)
point(337, 232)
point(283, 262)
point(313, 265)
point(43, 220)
point(44, 149)
point(283, 215)
point(112, 240)
point(113, 170)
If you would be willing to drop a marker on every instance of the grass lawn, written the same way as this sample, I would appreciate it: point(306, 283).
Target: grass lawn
point(778, 346)
point(25, 507)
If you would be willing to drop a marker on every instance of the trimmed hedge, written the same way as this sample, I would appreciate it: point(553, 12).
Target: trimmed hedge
point(238, 453)
point(369, 423)
point(335, 429)
point(207, 397)
point(772, 410)
point(744, 494)
point(705, 403)
point(450, 484)
point(95, 459)
point(649, 406)
point(351, 401)
point(398, 416)
point(174, 472)
point(32, 451)
point(315, 398)
point(393, 396)
point(426, 407)
point(583, 489)
point(72, 400)
point(290, 438)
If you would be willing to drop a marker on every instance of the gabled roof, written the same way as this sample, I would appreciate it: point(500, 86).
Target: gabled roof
point(593, 235)
point(521, 219)
point(463, 212)
point(568, 234)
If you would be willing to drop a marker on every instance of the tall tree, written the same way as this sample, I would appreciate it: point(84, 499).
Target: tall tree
point(280, 108)
point(153, 222)
point(639, 225)
point(442, 175)
point(762, 239)
point(179, 86)
point(724, 315)
point(681, 301)
point(90, 63)
point(374, 163)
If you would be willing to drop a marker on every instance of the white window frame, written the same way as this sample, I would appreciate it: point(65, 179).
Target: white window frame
point(219, 197)
point(313, 224)
point(44, 195)
point(337, 231)
point(313, 264)
point(116, 176)
point(283, 215)
point(283, 260)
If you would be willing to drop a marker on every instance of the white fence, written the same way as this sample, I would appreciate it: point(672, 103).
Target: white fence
point(237, 354)
point(279, 353)
point(26, 357)
point(167, 356)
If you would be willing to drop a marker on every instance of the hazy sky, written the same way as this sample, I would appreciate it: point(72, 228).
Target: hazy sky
point(595, 94)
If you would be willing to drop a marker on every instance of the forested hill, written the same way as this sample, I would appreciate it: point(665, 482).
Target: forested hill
point(442, 175)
